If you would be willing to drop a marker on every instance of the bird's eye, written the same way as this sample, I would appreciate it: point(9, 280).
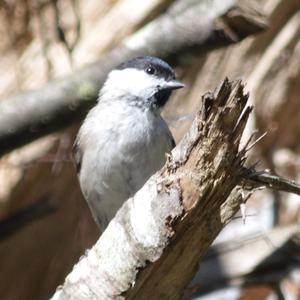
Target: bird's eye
point(150, 70)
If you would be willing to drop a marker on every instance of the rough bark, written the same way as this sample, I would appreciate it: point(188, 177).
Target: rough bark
point(152, 248)
point(187, 26)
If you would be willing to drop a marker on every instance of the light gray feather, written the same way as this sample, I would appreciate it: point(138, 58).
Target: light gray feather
point(122, 142)
point(119, 147)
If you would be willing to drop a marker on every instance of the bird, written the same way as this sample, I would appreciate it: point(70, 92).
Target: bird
point(124, 140)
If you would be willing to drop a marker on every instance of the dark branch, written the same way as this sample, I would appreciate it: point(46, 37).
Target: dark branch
point(264, 178)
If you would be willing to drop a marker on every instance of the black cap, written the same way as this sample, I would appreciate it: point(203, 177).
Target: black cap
point(151, 65)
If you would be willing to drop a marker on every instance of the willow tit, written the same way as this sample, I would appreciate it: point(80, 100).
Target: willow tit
point(123, 140)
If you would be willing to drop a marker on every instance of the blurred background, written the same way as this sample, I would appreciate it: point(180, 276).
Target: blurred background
point(54, 56)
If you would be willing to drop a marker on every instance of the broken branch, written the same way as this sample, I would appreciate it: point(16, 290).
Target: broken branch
point(165, 229)
point(153, 246)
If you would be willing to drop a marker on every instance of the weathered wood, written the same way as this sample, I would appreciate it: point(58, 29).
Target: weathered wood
point(152, 248)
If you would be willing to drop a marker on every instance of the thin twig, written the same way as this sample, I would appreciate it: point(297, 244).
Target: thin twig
point(263, 178)
point(249, 147)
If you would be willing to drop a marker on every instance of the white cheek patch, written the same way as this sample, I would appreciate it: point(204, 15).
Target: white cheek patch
point(133, 82)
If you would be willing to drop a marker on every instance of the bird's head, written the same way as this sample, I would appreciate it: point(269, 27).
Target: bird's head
point(144, 81)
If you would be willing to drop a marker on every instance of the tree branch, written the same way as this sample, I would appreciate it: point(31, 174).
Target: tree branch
point(188, 26)
point(264, 178)
point(152, 248)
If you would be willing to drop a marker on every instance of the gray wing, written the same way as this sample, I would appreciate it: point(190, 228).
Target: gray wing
point(173, 144)
point(77, 156)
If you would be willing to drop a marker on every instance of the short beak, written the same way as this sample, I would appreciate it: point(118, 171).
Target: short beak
point(172, 85)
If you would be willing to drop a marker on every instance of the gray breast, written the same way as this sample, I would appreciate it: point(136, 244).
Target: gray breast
point(118, 157)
